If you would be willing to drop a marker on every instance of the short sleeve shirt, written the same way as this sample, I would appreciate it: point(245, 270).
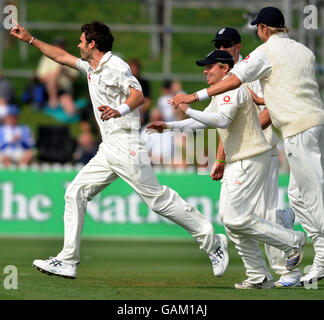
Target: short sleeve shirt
point(254, 67)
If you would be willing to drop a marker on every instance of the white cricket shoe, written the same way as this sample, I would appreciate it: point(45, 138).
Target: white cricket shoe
point(295, 259)
point(316, 273)
point(54, 266)
point(245, 284)
point(289, 281)
point(286, 218)
point(219, 257)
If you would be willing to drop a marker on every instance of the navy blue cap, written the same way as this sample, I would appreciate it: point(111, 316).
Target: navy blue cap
point(228, 34)
point(217, 56)
point(271, 17)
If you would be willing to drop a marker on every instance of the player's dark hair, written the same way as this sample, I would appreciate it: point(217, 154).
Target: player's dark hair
point(100, 33)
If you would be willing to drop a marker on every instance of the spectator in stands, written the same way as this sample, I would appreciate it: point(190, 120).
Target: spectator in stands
point(35, 94)
point(16, 141)
point(135, 67)
point(86, 149)
point(58, 81)
point(169, 90)
point(6, 91)
point(3, 111)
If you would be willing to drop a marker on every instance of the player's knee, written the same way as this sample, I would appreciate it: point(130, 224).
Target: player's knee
point(74, 193)
point(234, 224)
point(68, 193)
point(161, 202)
point(158, 206)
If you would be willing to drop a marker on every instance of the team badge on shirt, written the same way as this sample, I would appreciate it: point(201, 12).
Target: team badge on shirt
point(247, 58)
point(226, 100)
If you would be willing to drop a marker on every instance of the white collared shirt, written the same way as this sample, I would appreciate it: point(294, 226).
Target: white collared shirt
point(109, 85)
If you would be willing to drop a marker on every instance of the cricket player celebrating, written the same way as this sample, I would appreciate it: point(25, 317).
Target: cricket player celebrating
point(115, 94)
point(229, 39)
point(248, 163)
point(286, 70)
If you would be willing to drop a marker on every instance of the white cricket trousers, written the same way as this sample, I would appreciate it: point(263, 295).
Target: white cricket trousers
point(125, 156)
point(267, 208)
point(241, 190)
point(305, 154)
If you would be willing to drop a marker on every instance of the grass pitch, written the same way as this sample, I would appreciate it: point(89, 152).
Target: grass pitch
point(135, 270)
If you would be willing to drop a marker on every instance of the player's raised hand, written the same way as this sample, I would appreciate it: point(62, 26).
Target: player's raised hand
point(217, 170)
point(108, 113)
point(156, 126)
point(181, 98)
point(20, 32)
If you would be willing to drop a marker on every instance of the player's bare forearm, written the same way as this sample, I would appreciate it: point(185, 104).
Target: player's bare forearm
point(135, 99)
point(221, 155)
point(264, 118)
point(217, 171)
point(57, 54)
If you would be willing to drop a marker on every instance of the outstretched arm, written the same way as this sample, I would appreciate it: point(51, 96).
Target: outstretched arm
point(57, 54)
point(212, 119)
point(159, 126)
point(230, 83)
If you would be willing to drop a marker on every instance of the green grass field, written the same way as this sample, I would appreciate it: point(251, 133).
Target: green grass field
point(135, 270)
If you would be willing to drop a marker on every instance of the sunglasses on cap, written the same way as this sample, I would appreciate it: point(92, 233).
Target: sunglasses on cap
point(223, 43)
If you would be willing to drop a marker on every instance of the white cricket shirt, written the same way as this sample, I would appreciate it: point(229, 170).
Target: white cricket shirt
point(109, 85)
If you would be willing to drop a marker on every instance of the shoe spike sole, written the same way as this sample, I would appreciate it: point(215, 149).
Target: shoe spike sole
point(51, 273)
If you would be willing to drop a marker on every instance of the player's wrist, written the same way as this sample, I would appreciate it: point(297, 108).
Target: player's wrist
point(201, 95)
point(220, 160)
point(188, 111)
point(31, 40)
point(123, 109)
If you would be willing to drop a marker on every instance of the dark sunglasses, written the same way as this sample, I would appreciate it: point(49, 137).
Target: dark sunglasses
point(223, 43)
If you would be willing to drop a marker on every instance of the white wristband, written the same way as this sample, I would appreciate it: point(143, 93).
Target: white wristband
point(202, 94)
point(124, 109)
